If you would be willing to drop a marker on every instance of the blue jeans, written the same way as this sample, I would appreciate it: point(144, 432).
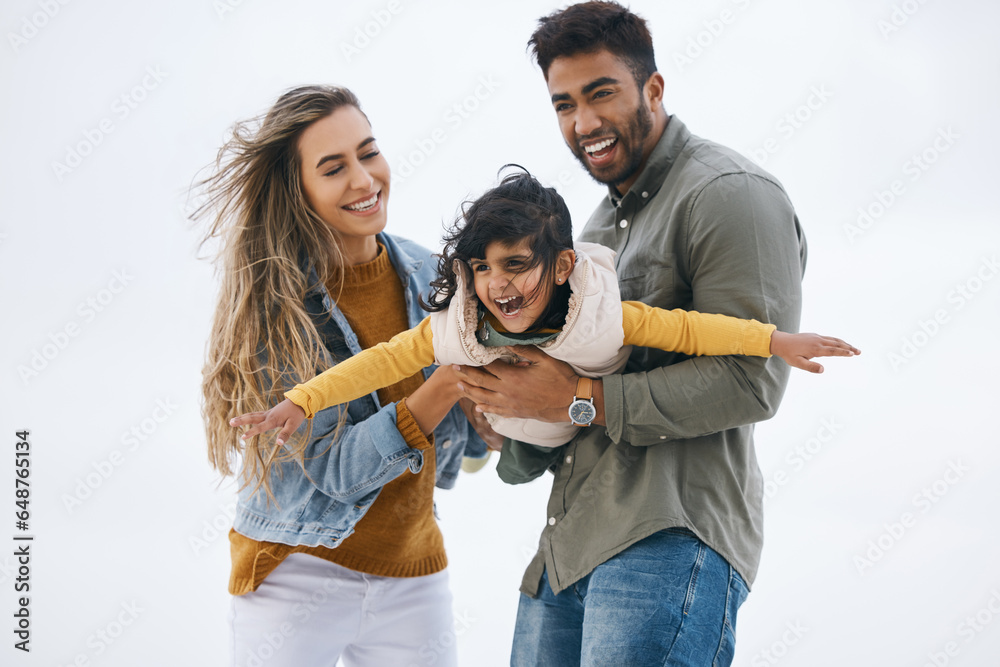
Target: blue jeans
point(666, 600)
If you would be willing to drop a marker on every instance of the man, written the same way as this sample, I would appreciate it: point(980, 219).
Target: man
point(655, 517)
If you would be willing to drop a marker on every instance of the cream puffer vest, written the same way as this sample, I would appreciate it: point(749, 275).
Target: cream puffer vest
point(591, 341)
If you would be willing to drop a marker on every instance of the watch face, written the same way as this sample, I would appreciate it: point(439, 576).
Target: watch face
point(582, 412)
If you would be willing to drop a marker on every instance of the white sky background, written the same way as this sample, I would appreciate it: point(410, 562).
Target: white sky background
point(129, 551)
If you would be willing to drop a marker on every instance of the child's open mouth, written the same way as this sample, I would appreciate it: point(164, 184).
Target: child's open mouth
point(510, 306)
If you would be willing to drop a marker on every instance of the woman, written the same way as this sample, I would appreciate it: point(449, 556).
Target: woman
point(335, 548)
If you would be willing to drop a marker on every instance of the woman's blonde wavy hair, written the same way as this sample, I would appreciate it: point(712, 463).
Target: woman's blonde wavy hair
point(264, 225)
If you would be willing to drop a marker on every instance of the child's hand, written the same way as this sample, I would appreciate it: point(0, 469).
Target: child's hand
point(798, 349)
point(285, 415)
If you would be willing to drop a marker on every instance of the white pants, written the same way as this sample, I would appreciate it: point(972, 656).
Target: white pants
point(309, 612)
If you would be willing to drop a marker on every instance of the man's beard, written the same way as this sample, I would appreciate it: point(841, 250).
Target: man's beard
point(630, 143)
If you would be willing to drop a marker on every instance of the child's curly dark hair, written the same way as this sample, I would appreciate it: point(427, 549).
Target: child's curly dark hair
point(519, 209)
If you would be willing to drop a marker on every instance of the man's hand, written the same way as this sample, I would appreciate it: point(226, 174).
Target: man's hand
point(479, 422)
point(540, 389)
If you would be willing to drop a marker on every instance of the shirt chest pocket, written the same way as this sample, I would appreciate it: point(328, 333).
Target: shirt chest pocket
point(651, 279)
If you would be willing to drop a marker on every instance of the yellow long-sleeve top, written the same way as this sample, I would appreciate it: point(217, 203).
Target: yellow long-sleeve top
point(398, 535)
point(677, 330)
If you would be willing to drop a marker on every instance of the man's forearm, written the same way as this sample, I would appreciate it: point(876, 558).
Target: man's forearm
point(692, 398)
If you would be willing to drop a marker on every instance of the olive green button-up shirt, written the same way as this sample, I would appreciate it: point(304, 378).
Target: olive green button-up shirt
point(703, 228)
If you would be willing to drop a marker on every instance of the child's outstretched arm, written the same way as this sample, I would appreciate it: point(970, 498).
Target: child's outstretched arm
point(285, 415)
point(384, 364)
point(695, 333)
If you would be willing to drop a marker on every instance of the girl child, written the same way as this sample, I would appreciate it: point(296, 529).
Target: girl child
point(510, 274)
point(335, 548)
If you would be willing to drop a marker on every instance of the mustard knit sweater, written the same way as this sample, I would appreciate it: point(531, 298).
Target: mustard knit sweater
point(398, 536)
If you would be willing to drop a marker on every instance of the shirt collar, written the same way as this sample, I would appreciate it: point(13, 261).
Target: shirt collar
point(654, 172)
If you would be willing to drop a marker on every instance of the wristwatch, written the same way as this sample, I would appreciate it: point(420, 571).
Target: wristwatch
point(582, 410)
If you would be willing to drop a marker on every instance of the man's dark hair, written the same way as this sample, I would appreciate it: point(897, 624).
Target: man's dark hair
point(594, 26)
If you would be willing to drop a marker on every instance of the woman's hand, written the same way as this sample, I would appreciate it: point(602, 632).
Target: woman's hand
point(285, 415)
point(798, 349)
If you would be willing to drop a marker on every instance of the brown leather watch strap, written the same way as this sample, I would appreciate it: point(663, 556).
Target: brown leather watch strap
point(584, 389)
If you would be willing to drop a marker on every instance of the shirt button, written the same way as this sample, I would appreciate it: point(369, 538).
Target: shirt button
point(552, 521)
point(446, 444)
point(623, 224)
point(569, 459)
point(645, 194)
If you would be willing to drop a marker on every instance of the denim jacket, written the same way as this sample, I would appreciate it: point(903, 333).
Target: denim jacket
point(320, 502)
